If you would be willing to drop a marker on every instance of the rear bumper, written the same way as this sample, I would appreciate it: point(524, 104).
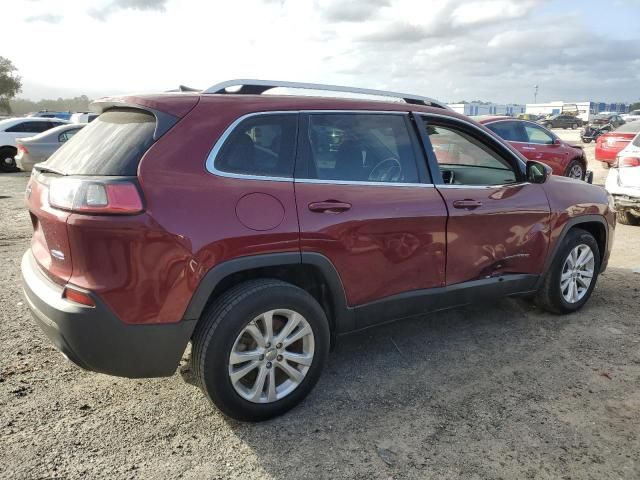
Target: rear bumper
point(94, 339)
point(606, 155)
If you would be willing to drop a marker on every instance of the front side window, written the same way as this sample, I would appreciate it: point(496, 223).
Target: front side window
point(465, 160)
point(538, 135)
point(261, 145)
point(360, 148)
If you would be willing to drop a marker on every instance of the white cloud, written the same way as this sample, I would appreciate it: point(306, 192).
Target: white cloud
point(449, 49)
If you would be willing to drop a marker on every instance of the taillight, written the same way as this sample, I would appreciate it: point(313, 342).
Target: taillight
point(628, 162)
point(91, 196)
point(23, 149)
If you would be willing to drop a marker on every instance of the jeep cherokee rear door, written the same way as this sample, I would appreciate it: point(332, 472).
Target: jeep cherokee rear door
point(366, 204)
point(498, 222)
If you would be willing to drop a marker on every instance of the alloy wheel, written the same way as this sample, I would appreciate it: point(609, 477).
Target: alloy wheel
point(576, 172)
point(577, 273)
point(271, 356)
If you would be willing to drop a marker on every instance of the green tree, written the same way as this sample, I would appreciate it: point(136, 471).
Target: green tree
point(10, 83)
point(635, 106)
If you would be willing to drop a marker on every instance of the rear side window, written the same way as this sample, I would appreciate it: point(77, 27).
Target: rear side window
point(262, 145)
point(360, 148)
point(510, 131)
point(111, 145)
point(31, 127)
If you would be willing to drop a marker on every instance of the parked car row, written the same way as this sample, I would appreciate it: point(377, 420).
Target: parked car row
point(14, 128)
point(25, 141)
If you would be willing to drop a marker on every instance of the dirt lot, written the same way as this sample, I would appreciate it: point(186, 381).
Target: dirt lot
point(490, 391)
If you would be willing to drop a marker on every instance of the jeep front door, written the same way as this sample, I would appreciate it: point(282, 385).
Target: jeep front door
point(498, 223)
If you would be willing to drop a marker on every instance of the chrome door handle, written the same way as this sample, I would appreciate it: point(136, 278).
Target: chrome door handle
point(467, 203)
point(329, 206)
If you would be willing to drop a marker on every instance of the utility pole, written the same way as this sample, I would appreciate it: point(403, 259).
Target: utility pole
point(535, 94)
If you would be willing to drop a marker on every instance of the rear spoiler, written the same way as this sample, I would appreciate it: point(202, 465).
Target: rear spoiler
point(164, 120)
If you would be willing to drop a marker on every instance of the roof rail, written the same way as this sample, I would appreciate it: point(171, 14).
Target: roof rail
point(257, 87)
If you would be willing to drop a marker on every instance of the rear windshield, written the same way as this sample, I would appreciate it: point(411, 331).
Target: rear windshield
point(113, 144)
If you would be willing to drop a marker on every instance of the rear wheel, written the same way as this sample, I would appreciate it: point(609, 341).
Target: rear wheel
point(7, 160)
point(627, 218)
point(575, 169)
point(260, 349)
point(573, 274)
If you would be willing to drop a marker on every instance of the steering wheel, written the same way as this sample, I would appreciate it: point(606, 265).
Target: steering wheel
point(388, 170)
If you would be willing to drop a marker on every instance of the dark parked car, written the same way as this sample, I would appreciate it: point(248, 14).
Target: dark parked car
point(260, 228)
point(36, 149)
point(561, 121)
point(537, 143)
point(612, 119)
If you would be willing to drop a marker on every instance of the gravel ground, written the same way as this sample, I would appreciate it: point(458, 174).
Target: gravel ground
point(489, 391)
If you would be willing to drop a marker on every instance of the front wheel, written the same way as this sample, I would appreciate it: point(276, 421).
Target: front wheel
point(586, 140)
point(260, 349)
point(572, 275)
point(575, 170)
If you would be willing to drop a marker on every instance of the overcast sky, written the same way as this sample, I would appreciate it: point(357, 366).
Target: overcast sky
point(448, 49)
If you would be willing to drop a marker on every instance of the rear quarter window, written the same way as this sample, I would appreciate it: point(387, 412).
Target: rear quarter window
point(113, 144)
point(262, 145)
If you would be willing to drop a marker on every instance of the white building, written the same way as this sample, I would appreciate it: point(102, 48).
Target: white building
point(585, 110)
point(473, 109)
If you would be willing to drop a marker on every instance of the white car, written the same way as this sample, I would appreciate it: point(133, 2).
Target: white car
point(14, 128)
point(623, 183)
point(632, 116)
point(83, 117)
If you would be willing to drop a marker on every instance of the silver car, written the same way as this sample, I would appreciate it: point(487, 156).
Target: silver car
point(36, 149)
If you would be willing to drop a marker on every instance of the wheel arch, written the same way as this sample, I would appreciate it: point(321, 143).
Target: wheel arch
point(596, 225)
point(577, 158)
point(313, 272)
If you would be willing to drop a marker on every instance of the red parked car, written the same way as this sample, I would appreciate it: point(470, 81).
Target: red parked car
point(260, 228)
point(610, 144)
point(537, 143)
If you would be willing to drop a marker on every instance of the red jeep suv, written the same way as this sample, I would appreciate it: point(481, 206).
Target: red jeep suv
point(262, 227)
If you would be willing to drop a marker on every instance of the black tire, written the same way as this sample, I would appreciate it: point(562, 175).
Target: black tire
point(574, 164)
point(221, 324)
point(628, 218)
point(549, 296)
point(574, 126)
point(7, 160)
point(586, 140)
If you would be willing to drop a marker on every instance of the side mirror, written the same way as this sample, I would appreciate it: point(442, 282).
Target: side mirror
point(557, 141)
point(537, 172)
